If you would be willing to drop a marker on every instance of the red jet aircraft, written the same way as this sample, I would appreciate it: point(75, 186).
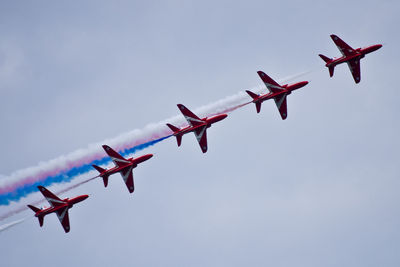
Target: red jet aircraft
point(196, 125)
point(276, 91)
point(59, 206)
point(122, 165)
point(350, 56)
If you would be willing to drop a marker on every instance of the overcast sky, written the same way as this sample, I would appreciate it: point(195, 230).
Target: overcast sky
point(318, 189)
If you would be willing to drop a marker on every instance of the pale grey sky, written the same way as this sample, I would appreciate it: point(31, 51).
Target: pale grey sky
point(319, 189)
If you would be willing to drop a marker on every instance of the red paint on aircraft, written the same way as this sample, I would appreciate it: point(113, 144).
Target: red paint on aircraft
point(276, 92)
point(350, 56)
point(58, 206)
point(196, 125)
point(122, 165)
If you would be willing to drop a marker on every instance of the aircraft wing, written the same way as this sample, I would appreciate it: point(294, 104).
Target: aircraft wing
point(354, 66)
point(272, 86)
point(50, 197)
point(62, 215)
point(115, 156)
point(344, 48)
point(280, 102)
point(201, 136)
point(191, 118)
point(127, 175)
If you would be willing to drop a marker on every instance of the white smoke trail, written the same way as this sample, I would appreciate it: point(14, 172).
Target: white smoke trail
point(11, 224)
point(130, 139)
point(295, 76)
point(21, 208)
point(150, 132)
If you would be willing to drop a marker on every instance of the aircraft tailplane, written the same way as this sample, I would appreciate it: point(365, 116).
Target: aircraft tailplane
point(253, 95)
point(105, 180)
point(173, 128)
point(40, 217)
point(325, 58)
point(99, 169)
point(258, 107)
point(331, 70)
point(33, 208)
point(179, 139)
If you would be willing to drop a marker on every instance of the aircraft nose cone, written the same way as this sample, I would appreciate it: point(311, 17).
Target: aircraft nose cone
point(223, 116)
point(83, 197)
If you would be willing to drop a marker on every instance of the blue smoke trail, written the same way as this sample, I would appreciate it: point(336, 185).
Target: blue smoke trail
point(69, 175)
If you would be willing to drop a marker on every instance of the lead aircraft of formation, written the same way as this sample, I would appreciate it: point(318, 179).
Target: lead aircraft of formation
point(349, 55)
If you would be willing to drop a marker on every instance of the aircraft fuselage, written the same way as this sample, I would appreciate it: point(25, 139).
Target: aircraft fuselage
point(360, 53)
point(69, 202)
point(133, 162)
point(287, 89)
point(208, 121)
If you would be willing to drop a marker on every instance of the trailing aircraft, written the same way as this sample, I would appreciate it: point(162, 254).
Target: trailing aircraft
point(122, 165)
point(276, 92)
point(196, 125)
point(58, 206)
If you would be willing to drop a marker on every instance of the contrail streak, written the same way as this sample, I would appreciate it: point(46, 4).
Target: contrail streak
point(11, 224)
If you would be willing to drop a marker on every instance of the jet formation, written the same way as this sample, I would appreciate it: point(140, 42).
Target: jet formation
point(199, 127)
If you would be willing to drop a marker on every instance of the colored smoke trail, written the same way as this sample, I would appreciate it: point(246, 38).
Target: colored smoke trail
point(65, 168)
point(17, 210)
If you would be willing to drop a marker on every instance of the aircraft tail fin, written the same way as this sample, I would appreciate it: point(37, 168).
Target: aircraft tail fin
point(253, 95)
point(105, 180)
point(40, 217)
point(325, 58)
point(173, 128)
point(327, 61)
point(33, 208)
point(99, 169)
point(178, 136)
point(331, 70)
point(179, 139)
point(258, 107)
